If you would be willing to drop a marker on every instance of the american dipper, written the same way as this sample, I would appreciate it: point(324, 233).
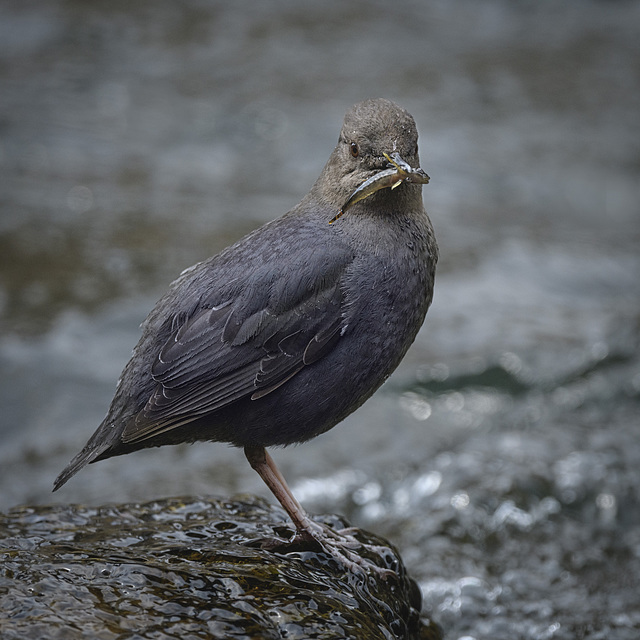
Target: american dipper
point(282, 335)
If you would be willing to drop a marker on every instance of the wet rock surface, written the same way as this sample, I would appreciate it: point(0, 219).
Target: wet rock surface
point(186, 568)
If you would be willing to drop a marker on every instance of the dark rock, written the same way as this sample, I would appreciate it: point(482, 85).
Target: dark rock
point(185, 568)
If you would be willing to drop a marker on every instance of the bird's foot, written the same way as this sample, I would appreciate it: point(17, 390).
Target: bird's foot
point(310, 535)
point(340, 544)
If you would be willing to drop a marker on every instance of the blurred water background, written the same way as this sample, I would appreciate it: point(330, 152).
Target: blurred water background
point(503, 458)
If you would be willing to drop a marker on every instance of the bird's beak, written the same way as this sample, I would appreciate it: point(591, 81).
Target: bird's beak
point(398, 172)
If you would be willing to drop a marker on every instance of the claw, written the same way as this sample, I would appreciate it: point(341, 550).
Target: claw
point(339, 544)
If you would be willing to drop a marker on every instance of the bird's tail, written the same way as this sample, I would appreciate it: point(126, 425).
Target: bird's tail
point(96, 446)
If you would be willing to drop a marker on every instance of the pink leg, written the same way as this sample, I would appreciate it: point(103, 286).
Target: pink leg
point(263, 463)
point(337, 543)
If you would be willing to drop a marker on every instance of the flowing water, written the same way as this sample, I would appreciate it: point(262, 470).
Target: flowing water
point(503, 458)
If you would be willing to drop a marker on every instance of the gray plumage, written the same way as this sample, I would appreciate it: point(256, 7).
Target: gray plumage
point(279, 337)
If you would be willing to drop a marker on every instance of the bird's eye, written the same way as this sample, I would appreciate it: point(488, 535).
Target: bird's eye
point(354, 150)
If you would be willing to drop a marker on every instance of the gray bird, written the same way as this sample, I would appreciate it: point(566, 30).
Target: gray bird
point(282, 335)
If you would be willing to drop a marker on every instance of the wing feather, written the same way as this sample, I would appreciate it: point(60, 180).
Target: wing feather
point(246, 347)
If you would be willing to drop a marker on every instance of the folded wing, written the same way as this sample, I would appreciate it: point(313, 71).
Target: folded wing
point(245, 346)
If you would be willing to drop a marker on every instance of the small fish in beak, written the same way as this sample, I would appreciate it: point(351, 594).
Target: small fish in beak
point(399, 172)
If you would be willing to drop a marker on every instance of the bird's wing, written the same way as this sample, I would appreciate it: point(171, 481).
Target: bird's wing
point(246, 346)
